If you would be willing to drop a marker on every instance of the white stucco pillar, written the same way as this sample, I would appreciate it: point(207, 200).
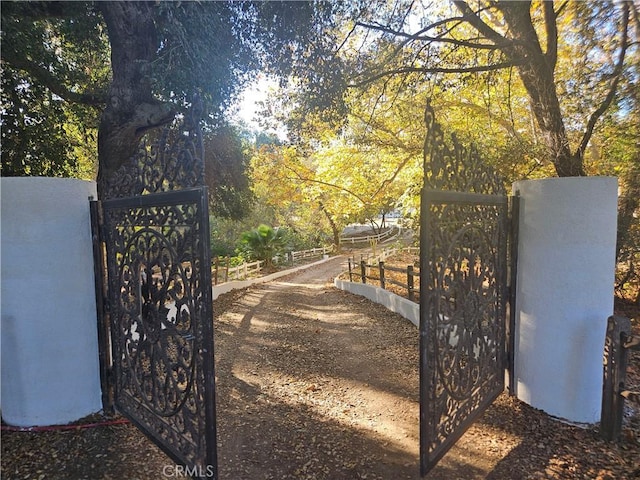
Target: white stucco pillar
point(565, 283)
point(50, 371)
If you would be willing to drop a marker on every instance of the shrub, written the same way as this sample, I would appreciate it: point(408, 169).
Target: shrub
point(264, 243)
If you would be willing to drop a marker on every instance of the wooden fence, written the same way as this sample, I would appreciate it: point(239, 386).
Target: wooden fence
point(314, 252)
point(394, 231)
point(377, 273)
point(618, 343)
point(222, 272)
point(385, 253)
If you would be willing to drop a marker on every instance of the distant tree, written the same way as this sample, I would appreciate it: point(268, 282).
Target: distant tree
point(227, 156)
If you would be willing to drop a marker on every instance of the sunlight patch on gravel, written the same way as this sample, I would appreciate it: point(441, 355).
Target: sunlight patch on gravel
point(352, 404)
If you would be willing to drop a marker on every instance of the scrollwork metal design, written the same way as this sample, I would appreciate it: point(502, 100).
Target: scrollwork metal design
point(463, 291)
point(170, 160)
point(161, 319)
point(156, 323)
point(154, 223)
point(465, 328)
point(450, 165)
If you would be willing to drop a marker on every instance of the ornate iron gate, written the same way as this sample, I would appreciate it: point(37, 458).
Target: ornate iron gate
point(155, 305)
point(463, 291)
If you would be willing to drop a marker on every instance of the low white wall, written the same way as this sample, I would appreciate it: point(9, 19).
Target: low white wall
point(565, 281)
point(402, 306)
point(50, 368)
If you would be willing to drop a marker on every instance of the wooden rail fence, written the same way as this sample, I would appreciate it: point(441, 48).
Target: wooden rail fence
point(314, 252)
point(364, 270)
point(393, 231)
point(222, 272)
point(618, 343)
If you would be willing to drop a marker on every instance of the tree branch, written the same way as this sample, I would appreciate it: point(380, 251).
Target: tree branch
point(473, 19)
point(617, 75)
point(388, 181)
point(378, 141)
point(562, 7)
point(409, 37)
point(405, 70)
point(551, 28)
point(302, 178)
point(53, 83)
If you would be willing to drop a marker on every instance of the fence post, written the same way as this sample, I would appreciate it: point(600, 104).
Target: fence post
point(410, 287)
point(226, 270)
point(350, 272)
point(216, 264)
point(614, 372)
point(382, 281)
point(363, 271)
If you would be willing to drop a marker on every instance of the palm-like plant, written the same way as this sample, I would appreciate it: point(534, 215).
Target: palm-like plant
point(263, 243)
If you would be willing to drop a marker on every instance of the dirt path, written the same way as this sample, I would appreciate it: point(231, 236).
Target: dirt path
point(305, 380)
point(316, 383)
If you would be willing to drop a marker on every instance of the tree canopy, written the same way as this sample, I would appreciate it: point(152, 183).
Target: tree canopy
point(123, 68)
point(570, 59)
point(50, 107)
point(544, 88)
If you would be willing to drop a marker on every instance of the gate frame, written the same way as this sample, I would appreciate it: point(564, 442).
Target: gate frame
point(448, 174)
point(102, 306)
point(108, 371)
point(167, 169)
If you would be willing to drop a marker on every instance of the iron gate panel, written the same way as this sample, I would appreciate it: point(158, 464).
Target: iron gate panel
point(462, 315)
point(160, 305)
point(464, 229)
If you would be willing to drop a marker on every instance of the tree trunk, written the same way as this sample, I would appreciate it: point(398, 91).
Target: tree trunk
point(536, 69)
point(131, 109)
point(334, 228)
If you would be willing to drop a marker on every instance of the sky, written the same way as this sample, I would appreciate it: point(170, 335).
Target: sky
point(248, 108)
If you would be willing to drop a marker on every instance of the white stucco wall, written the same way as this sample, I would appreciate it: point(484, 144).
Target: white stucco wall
point(565, 281)
point(50, 371)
